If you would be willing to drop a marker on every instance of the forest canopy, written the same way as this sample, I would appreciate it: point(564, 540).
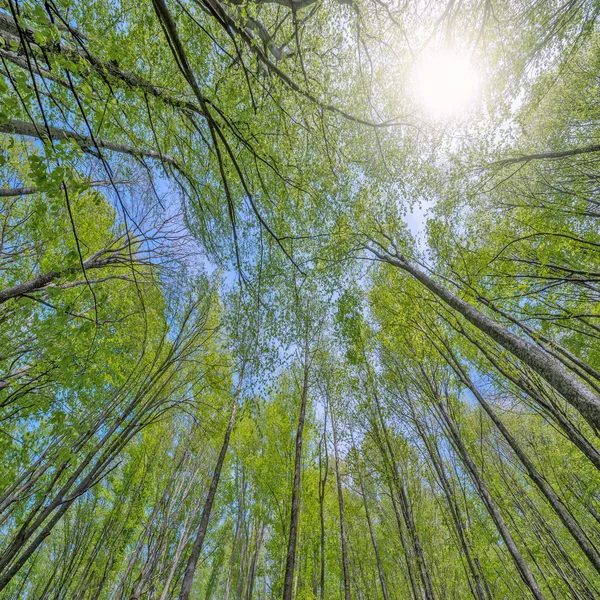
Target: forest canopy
point(299, 299)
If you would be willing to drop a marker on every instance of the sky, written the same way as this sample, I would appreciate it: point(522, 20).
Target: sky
point(417, 218)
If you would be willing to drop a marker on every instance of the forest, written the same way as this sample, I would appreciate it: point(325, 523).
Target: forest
point(299, 299)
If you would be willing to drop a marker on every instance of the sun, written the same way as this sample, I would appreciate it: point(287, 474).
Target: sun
point(445, 83)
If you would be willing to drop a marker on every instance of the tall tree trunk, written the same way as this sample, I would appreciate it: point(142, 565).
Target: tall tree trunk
point(565, 383)
point(545, 534)
point(190, 569)
point(288, 582)
point(406, 509)
point(236, 535)
point(436, 460)
point(562, 420)
point(86, 143)
point(127, 79)
point(215, 572)
point(323, 472)
point(343, 535)
point(371, 532)
point(545, 488)
point(254, 561)
point(408, 554)
point(493, 510)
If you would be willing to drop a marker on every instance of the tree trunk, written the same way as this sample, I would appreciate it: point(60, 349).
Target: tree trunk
point(570, 430)
point(545, 488)
point(438, 464)
point(493, 510)
point(371, 532)
point(343, 535)
point(254, 561)
point(86, 143)
point(322, 485)
point(436, 460)
point(188, 577)
point(288, 582)
point(104, 68)
point(406, 510)
point(551, 370)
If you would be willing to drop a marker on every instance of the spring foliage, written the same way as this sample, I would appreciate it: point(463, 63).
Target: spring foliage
point(271, 327)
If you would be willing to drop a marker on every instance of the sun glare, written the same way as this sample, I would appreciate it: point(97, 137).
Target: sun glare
point(445, 83)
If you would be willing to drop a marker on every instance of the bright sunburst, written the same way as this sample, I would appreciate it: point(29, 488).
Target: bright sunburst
point(445, 83)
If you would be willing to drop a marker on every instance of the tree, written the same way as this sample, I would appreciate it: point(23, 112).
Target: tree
point(272, 326)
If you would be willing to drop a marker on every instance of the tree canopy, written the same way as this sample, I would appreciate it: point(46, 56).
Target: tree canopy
point(299, 299)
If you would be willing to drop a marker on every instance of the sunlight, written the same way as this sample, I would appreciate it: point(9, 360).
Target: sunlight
point(445, 83)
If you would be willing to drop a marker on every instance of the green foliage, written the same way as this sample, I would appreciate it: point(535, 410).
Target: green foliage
point(207, 205)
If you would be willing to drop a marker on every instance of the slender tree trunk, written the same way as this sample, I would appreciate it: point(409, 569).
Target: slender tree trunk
point(54, 510)
point(436, 461)
point(544, 532)
point(288, 581)
point(27, 191)
point(570, 430)
point(243, 557)
point(406, 509)
point(109, 256)
point(343, 535)
point(236, 535)
point(323, 472)
point(86, 143)
point(215, 573)
point(493, 510)
point(188, 577)
point(371, 532)
point(408, 558)
point(104, 68)
point(545, 488)
point(175, 560)
point(565, 383)
point(254, 561)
